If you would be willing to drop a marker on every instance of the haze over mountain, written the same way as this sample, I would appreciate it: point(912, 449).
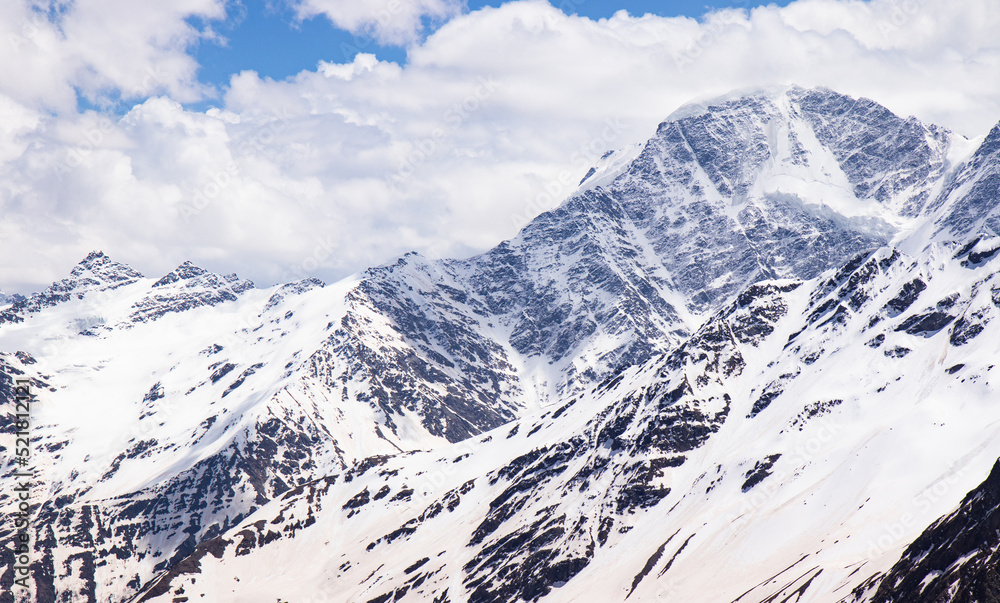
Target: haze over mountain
point(758, 346)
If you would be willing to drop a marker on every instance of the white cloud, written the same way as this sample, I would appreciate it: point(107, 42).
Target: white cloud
point(398, 22)
point(495, 116)
point(99, 47)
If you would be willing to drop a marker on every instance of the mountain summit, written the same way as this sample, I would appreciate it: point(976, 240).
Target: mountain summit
point(760, 345)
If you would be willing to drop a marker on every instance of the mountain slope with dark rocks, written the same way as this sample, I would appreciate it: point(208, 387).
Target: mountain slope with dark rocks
point(955, 559)
point(764, 317)
point(651, 483)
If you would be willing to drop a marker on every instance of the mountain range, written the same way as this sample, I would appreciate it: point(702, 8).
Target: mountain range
point(751, 360)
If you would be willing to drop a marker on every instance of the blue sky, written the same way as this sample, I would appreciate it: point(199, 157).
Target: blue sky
point(266, 37)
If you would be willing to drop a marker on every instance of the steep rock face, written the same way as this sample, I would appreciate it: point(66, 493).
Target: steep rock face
point(469, 345)
point(779, 183)
point(893, 161)
point(970, 199)
point(578, 290)
point(776, 183)
point(955, 560)
point(412, 343)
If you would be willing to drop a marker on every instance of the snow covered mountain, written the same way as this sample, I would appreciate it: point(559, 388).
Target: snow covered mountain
point(740, 349)
point(6, 300)
point(796, 442)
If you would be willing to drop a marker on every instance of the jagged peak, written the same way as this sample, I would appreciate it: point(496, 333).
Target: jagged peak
point(293, 288)
point(104, 268)
point(96, 272)
point(408, 261)
point(991, 144)
point(13, 298)
point(186, 287)
point(190, 275)
point(94, 257)
point(186, 271)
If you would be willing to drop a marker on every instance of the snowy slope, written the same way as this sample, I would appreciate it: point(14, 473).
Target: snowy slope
point(777, 445)
point(168, 399)
point(954, 559)
point(757, 186)
point(723, 355)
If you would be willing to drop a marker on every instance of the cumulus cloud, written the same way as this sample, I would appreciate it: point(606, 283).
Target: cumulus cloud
point(105, 49)
point(397, 22)
point(493, 119)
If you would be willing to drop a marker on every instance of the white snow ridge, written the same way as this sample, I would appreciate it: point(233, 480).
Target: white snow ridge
point(752, 360)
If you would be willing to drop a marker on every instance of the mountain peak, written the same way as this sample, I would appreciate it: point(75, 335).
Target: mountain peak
point(186, 287)
point(680, 345)
point(6, 300)
point(96, 272)
point(95, 256)
point(104, 269)
point(186, 271)
point(778, 181)
point(199, 277)
point(969, 203)
point(712, 103)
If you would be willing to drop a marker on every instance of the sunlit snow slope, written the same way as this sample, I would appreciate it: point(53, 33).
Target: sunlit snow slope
point(789, 450)
point(751, 360)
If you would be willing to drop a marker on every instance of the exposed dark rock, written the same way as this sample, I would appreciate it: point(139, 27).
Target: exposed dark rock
point(956, 559)
point(759, 472)
point(925, 325)
point(905, 298)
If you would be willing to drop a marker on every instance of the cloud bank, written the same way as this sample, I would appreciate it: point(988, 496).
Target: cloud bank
point(493, 119)
point(388, 21)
